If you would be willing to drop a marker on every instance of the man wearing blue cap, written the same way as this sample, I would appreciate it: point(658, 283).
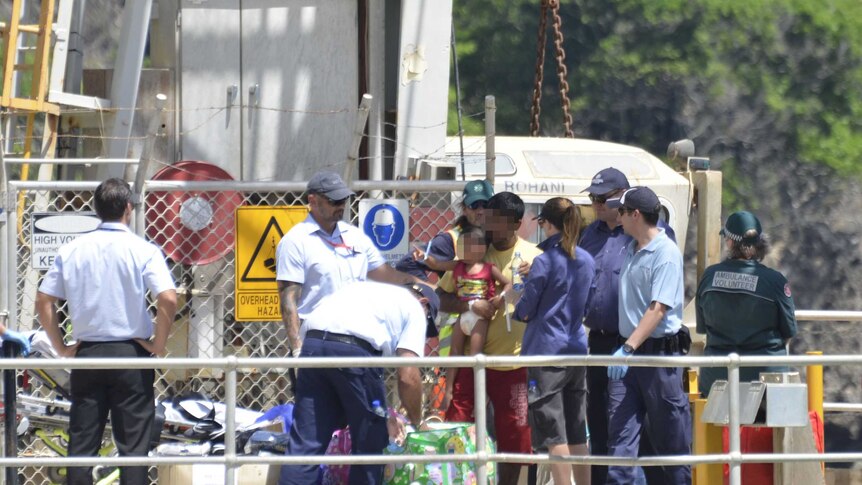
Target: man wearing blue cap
point(605, 240)
point(323, 253)
point(650, 323)
point(360, 320)
point(743, 306)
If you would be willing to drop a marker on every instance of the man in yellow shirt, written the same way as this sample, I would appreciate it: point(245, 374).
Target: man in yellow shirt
point(507, 387)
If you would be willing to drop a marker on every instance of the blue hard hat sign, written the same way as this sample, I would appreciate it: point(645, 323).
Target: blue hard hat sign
point(385, 225)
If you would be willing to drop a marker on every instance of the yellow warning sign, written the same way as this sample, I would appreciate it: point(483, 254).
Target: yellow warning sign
point(258, 231)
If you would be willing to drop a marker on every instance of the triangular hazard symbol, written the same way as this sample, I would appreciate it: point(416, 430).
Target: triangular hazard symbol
point(261, 266)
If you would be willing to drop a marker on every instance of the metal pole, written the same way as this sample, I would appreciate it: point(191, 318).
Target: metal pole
point(376, 87)
point(230, 423)
point(358, 133)
point(127, 78)
point(458, 103)
point(814, 377)
point(11, 258)
point(75, 50)
point(733, 429)
point(490, 133)
point(153, 132)
point(4, 225)
point(9, 406)
point(479, 411)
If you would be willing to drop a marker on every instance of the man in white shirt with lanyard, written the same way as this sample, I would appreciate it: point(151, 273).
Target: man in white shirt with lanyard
point(360, 320)
point(104, 277)
point(323, 253)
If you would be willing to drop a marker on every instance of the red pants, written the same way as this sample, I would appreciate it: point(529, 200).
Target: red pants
point(507, 391)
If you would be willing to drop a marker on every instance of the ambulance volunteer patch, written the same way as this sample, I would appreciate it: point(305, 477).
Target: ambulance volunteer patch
point(736, 281)
point(787, 290)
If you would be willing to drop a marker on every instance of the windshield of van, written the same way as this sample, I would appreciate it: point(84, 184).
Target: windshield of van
point(474, 164)
point(583, 165)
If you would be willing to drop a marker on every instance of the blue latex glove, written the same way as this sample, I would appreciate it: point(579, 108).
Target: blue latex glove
point(618, 371)
point(18, 338)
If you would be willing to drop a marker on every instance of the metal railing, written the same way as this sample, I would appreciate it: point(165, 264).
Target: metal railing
point(479, 364)
point(833, 316)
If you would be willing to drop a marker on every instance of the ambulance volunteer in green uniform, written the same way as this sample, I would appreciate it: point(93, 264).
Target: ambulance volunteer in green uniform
point(743, 306)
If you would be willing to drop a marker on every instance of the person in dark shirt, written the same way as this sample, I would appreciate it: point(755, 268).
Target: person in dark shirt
point(742, 305)
point(553, 305)
point(605, 240)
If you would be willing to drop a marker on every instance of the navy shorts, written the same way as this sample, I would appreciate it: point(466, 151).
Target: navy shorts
point(558, 406)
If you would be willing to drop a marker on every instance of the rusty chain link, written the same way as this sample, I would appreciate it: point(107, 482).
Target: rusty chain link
point(536, 109)
point(562, 73)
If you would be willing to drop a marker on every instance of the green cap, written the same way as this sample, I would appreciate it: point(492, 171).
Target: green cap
point(738, 224)
point(477, 190)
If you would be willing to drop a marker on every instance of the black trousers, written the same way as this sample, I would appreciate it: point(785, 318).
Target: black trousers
point(128, 395)
point(597, 412)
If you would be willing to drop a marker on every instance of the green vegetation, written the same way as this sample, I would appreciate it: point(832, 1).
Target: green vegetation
point(746, 80)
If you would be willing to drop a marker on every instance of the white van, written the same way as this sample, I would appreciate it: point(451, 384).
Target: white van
point(540, 168)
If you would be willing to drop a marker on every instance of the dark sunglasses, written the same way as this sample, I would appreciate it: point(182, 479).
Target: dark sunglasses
point(336, 203)
point(623, 210)
point(479, 204)
point(599, 199)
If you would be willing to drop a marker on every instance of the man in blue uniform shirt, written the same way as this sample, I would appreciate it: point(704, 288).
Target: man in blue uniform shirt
point(605, 240)
point(650, 312)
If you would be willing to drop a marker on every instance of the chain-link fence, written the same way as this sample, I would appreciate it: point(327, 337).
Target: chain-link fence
point(194, 224)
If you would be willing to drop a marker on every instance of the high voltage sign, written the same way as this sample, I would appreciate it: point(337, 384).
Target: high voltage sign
point(258, 231)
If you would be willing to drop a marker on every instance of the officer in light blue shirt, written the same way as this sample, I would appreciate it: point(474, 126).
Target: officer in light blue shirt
point(650, 312)
point(606, 241)
point(651, 274)
point(323, 253)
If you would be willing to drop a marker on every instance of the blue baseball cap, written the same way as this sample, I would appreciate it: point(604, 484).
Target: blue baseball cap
point(429, 294)
point(640, 198)
point(607, 180)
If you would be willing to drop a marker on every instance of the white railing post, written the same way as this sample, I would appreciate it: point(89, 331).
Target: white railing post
point(230, 422)
point(479, 411)
point(11, 257)
point(733, 428)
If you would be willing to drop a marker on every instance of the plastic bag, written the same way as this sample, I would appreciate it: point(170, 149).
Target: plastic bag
point(444, 438)
point(340, 444)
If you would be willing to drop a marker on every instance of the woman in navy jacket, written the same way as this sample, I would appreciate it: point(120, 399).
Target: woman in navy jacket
point(553, 305)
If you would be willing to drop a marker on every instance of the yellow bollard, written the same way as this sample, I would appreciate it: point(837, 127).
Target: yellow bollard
point(814, 376)
point(706, 438)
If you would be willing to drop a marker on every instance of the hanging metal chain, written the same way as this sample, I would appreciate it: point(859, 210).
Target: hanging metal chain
point(536, 109)
point(562, 73)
